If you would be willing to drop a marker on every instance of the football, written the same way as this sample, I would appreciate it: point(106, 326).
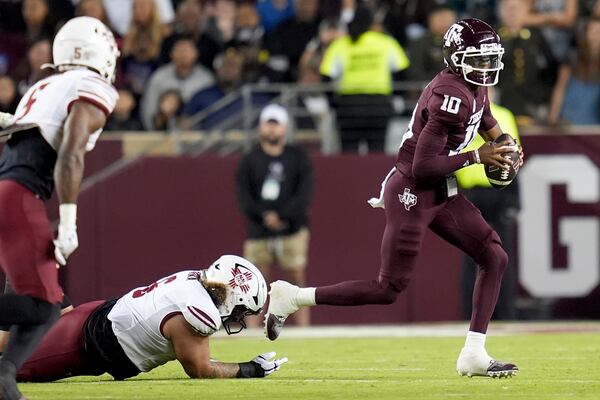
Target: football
point(498, 177)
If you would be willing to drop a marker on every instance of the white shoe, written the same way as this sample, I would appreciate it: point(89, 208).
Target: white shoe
point(282, 303)
point(472, 362)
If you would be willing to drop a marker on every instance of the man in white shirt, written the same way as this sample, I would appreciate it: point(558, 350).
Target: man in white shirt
point(173, 318)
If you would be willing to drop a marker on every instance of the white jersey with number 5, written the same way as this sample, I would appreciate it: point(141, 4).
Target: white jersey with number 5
point(139, 316)
point(48, 102)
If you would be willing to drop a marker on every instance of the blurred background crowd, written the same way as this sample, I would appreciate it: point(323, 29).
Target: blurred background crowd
point(180, 57)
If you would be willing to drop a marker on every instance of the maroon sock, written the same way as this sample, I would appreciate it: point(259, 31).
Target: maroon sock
point(487, 288)
point(356, 293)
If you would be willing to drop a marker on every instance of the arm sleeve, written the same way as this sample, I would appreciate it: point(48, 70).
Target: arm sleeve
point(249, 206)
point(487, 120)
point(203, 320)
point(298, 205)
point(428, 162)
point(95, 90)
point(448, 110)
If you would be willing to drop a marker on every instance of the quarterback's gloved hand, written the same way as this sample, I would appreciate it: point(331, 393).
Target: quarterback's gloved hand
point(6, 119)
point(66, 242)
point(261, 366)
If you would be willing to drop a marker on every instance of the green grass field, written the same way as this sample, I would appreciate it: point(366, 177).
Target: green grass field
point(552, 366)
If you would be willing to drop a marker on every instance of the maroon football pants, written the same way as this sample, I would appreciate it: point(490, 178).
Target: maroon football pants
point(410, 211)
point(26, 247)
point(61, 353)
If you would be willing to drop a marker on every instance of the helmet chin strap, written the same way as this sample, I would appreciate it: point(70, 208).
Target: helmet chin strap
point(48, 65)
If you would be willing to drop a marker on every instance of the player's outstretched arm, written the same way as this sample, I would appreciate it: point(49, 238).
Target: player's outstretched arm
point(84, 118)
point(193, 352)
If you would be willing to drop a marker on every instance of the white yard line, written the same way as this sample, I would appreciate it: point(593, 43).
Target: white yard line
point(424, 330)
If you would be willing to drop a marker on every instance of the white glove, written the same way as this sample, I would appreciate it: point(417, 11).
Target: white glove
point(66, 242)
point(6, 119)
point(268, 365)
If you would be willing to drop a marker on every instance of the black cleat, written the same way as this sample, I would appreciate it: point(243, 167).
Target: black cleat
point(499, 369)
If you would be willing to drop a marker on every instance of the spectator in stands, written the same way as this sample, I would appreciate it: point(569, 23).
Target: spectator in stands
point(273, 12)
point(529, 65)
point(188, 23)
point(329, 30)
point(576, 96)
point(139, 64)
point(31, 71)
point(274, 189)
point(8, 95)
point(38, 21)
point(556, 19)
point(500, 209)
point(426, 52)
point(405, 20)
point(248, 41)
point(182, 74)
point(365, 63)
point(144, 22)
point(92, 8)
point(123, 117)
point(485, 10)
point(122, 13)
point(229, 69)
point(169, 109)
point(221, 22)
point(248, 30)
point(287, 42)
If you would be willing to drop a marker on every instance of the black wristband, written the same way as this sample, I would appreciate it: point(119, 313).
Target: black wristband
point(250, 369)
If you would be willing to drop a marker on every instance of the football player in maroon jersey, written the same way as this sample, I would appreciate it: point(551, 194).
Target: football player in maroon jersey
point(420, 192)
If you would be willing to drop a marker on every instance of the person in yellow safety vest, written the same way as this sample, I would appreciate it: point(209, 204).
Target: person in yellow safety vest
point(365, 64)
point(499, 208)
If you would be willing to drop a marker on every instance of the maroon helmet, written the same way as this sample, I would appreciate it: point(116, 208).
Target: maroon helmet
point(472, 49)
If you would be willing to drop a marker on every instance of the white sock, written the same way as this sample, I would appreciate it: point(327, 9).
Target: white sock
point(475, 340)
point(306, 297)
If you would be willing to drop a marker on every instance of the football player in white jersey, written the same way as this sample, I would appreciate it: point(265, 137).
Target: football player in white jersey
point(56, 122)
point(173, 318)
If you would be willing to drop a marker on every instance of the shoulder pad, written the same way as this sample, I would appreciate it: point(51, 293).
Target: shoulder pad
point(92, 88)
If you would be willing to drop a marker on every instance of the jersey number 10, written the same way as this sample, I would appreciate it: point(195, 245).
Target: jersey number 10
point(450, 104)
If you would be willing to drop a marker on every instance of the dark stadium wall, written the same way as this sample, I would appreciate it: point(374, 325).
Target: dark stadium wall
point(166, 214)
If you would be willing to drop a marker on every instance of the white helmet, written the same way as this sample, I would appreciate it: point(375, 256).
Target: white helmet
point(246, 290)
point(87, 42)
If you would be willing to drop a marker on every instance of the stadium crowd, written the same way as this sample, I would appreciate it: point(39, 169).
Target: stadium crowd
point(180, 56)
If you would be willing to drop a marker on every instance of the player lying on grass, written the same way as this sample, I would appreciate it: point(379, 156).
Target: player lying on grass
point(420, 193)
point(172, 318)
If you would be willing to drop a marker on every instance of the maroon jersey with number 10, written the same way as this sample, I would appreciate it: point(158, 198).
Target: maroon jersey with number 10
point(446, 119)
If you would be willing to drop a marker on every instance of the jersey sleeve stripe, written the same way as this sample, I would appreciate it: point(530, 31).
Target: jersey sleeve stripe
point(203, 317)
point(91, 101)
point(87, 93)
point(166, 318)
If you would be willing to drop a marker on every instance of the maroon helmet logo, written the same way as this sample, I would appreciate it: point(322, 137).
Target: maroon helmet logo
point(240, 279)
